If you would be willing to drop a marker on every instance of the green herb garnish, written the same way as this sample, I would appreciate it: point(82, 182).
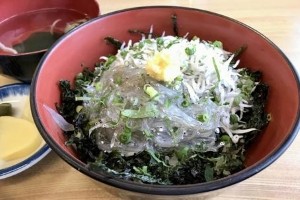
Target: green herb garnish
point(203, 118)
point(125, 137)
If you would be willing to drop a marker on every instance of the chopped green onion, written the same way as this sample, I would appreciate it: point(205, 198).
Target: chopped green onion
point(182, 153)
point(176, 81)
point(150, 91)
point(185, 103)
point(234, 126)
point(125, 137)
point(160, 41)
point(226, 139)
point(103, 100)
point(203, 117)
point(209, 173)
point(82, 98)
point(141, 45)
point(118, 80)
point(109, 61)
point(113, 124)
point(234, 119)
point(190, 51)
point(216, 98)
point(186, 100)
point(172, 43)
point(138, 55)
point(167, 103)
point(148, 41)
point(247, 86)
point(226, 172)
point(124, 54)
point(152, 154)
point(174, 129)
point(148, 134)
point(218, 44)
point(216, 68)
point(149, 110)
point(237, 100)
point(98, 86)
point(142, 171)
point(118, 99)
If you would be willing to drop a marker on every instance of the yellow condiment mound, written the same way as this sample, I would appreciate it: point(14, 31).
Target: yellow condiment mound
point(163, 67)
point(18, 138)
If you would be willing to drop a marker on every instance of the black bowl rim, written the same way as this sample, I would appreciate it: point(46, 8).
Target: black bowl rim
point(168, 189)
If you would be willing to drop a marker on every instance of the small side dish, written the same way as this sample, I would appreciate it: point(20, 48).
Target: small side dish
point(20, 142)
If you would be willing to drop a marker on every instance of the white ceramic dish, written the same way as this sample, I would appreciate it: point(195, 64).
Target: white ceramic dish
point(17, 95)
